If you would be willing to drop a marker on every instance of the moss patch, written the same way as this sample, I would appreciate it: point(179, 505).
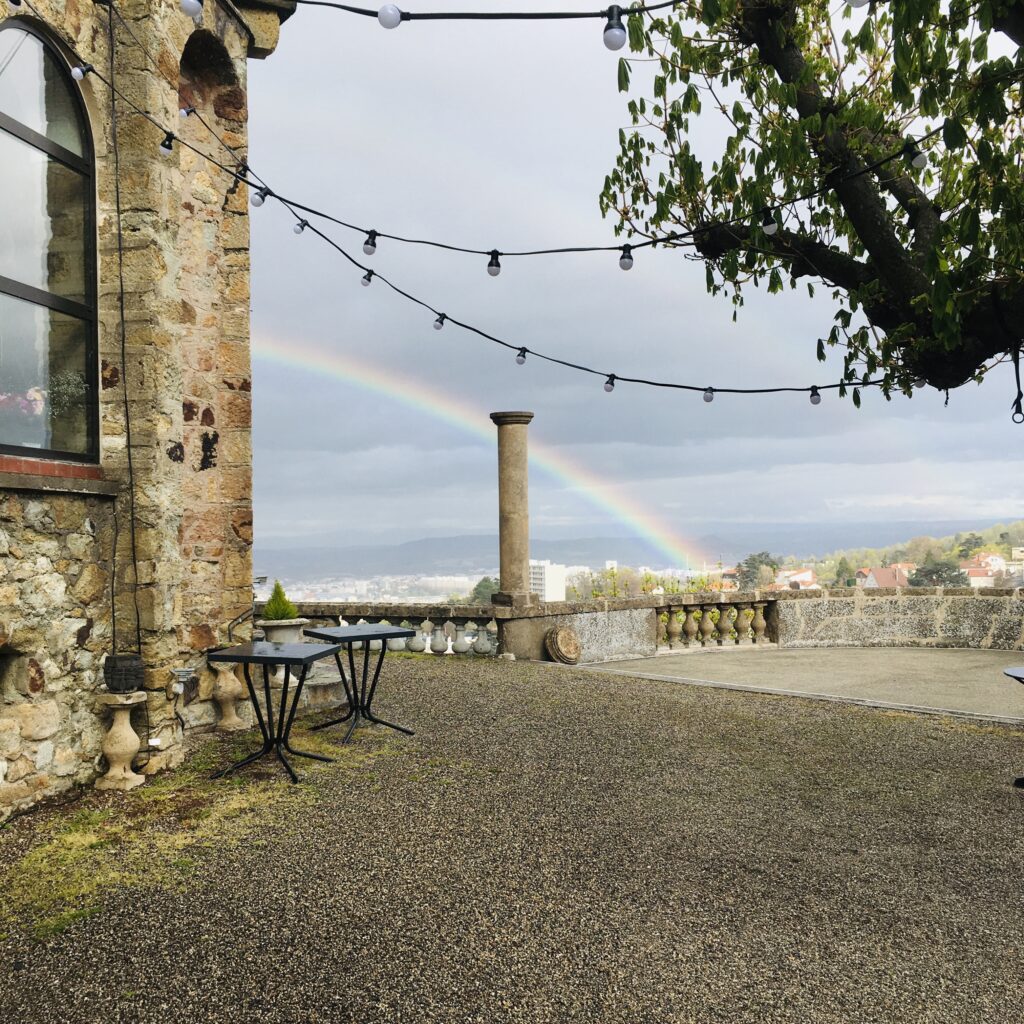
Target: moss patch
point(159, 834)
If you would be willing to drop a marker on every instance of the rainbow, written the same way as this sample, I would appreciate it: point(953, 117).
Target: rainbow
point(417, 395)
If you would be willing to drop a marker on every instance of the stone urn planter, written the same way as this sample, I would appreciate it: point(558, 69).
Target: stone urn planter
point(282, 625)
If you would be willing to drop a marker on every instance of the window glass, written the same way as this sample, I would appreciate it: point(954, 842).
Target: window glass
point(35, 90)
point(45, 389)
point(43, 210)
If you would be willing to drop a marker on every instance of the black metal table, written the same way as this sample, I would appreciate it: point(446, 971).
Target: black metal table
point(1018, 674)
point(360, 698)
point(275, 734)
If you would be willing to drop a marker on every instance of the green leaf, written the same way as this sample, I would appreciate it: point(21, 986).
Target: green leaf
point(623, 75)
point(953, 134)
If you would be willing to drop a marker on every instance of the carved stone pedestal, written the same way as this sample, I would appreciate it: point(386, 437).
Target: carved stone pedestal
point(227, 690)
point(121, 743)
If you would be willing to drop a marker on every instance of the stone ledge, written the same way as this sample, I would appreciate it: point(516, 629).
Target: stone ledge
point(58, 484)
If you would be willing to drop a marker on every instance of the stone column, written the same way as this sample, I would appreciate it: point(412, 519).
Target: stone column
point(513, 506)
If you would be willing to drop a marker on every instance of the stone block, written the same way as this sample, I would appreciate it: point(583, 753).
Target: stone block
point(90, 585)
point(10, 737)
point(37, 720)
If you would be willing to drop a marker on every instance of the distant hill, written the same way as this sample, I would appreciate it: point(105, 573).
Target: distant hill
point(478, 553)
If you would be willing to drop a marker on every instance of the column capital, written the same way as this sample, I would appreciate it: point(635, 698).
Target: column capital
point(503, 418)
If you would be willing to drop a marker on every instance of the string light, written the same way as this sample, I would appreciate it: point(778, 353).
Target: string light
point(626, 259)
point(368, 279)
point(439, 322)
point(14, 4)
point(259, 197)
point(370, 245)
point(614, 34)
point(521, 356)
point(609, 384)
point(167, 146)
point(300, 227)
point(389, 16)
point(858, 3)
point(494, 267)
point(915, 156)
point(919, 383)
point(187, 111)
point(193, 8)
point(815, 397)
point(768, 223)
point(80, 72)
point(709, 394)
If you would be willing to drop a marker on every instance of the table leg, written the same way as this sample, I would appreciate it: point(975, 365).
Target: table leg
point(268, 741)
point(353, 706)
point(367, 706)
point(286, 738)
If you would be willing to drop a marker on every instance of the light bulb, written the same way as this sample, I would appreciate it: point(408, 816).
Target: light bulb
point(609, 384)
point(494, 267)
point(370, 245)
point(709, 395)
point(915, 156)
point(187, 111)
point(300, 227)
point(815, 397)
point(367, 278)
point(167, 146)
point(626, 259)
point(259, 197)
point(614, 33)
point(80, 72)
point(521, 356)
point(14, 4)
point(390, 16)
point(769, 224)
point(193, 8)
point(858, 3)
point(439, 322)
point(920, 383)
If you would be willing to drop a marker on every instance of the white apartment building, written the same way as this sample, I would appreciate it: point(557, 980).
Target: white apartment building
point(547, 580)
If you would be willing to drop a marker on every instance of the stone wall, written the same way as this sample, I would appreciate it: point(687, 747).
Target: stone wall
point(913, 617)
point(186, 272)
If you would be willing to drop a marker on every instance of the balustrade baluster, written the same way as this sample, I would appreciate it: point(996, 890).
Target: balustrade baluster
point(742, 624)
point(492, 636)
point(758, 623)
point(417, 644)
point(691, 615)
point(673, 629)
point(439, 639)
point(707, 625)
point(482, 646)
point(724, 627)
point(460, 645)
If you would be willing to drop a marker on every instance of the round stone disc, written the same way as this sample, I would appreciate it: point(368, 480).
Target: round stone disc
point(563, 644)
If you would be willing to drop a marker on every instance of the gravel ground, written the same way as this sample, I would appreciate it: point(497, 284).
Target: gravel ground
point(563, 847)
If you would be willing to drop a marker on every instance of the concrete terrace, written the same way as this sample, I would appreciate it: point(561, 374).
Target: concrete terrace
point(552, 846)
point(963, 682)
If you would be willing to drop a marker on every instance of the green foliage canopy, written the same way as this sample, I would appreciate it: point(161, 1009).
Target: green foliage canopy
point(939, 573)
point(925, 264)
point(748, 572)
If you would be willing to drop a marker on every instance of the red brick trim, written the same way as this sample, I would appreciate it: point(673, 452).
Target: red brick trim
point(47, 467)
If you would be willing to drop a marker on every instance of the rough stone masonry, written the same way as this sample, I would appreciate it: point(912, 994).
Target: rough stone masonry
point(186, 295)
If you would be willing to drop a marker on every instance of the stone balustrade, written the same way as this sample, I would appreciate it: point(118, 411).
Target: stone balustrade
point(440, 629)
point(716, 620)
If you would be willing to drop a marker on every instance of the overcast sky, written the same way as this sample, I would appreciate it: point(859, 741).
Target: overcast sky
point(500, 135)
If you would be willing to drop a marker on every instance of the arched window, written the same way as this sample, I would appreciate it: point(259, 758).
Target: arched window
point(48, 372)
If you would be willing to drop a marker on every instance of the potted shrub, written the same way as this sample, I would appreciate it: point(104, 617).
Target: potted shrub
point(281, 623)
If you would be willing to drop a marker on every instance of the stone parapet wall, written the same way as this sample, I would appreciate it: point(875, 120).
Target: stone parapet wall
point(914, 617)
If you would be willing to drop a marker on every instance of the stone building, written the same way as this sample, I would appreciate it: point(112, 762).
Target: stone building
point(75, 496)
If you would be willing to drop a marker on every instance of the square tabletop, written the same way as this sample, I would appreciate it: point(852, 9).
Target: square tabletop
point(1015, 673)
point(262, 652)
point(354, 634)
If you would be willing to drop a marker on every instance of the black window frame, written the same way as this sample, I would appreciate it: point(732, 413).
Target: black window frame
point(87, 312)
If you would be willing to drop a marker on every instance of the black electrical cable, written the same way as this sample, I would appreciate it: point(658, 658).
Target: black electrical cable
point(492, 15)
point(124, 347)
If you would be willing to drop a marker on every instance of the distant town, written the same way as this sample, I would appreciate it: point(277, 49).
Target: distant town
point(993, 557)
